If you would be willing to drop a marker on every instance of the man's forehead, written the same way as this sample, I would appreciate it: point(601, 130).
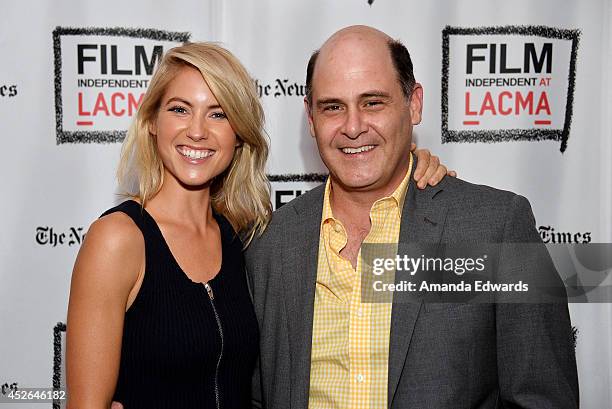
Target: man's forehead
point(352, 62)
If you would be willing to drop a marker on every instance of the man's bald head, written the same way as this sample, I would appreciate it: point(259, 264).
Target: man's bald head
point(346, 39)
point(364, 34)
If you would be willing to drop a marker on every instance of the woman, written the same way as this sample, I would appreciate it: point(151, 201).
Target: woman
point(159, 313)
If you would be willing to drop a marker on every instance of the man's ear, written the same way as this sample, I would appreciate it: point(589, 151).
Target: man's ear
point(416, 104)
point(308, 109)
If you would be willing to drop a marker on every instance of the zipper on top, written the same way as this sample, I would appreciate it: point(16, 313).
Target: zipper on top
point(211, 297)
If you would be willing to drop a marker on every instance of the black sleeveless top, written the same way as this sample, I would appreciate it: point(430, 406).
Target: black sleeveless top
point(186, 344)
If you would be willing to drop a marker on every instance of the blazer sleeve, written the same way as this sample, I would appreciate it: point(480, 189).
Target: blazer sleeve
point(256, 401)
point(535, 352)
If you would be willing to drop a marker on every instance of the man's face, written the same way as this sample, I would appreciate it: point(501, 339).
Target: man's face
point(360, 117)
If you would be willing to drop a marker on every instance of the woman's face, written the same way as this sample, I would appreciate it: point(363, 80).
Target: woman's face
point(194, 138)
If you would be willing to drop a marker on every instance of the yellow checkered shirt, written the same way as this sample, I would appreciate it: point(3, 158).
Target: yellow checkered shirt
point(350, 339)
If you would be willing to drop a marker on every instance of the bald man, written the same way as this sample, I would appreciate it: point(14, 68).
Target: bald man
point(322, 346)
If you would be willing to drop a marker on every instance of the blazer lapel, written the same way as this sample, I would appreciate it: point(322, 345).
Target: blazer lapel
point(300, 253)
point(422, 223)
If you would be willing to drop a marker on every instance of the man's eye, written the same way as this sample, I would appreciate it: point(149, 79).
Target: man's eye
point(373, 103)
point(332, 108)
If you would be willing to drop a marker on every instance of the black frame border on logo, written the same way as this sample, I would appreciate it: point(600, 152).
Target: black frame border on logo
point(504, 135)
point(97, 136)
point(57, 360)
point(299, 177)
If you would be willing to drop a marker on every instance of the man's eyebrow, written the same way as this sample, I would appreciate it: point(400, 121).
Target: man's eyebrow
point(375, 94)
point(326, 101)
point(364, 95)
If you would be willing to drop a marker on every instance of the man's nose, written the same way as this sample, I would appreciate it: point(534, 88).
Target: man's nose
point(354, 124)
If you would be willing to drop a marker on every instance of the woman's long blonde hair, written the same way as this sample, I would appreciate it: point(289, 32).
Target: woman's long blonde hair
point(242, 192)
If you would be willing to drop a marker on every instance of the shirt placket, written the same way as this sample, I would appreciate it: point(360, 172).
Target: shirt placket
point(359, 341)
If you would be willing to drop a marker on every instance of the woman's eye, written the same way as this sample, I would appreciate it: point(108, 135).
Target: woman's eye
point(220, 115)
point(178, 110)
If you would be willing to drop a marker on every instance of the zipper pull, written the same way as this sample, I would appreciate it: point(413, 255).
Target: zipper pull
point(209, 291)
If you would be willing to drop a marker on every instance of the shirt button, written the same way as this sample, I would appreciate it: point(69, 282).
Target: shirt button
point(337, 228)
point(359, 313)
point(359, 378)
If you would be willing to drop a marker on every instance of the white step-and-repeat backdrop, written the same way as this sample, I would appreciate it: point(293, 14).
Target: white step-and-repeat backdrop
point(517, 96)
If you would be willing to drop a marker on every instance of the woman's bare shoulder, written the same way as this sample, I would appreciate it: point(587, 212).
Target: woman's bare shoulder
point(113, 248)
point(117, 231)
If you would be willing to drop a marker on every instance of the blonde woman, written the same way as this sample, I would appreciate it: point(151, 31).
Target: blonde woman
point(159, 313)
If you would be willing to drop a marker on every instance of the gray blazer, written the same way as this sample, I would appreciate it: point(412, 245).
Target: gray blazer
point(440, 355)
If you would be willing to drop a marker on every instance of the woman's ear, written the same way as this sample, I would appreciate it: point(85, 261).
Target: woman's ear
point(153, 127)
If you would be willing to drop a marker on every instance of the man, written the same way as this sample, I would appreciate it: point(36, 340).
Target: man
point(321, 346)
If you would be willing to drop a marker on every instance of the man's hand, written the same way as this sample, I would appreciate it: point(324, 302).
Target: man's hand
point(429, 170)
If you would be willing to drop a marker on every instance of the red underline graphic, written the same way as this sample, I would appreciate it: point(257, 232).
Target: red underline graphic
point(84, 122)
point(543, 122)
point(471, 122)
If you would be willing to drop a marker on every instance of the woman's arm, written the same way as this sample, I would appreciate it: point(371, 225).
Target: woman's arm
point(429, 170)
point(107, 268)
